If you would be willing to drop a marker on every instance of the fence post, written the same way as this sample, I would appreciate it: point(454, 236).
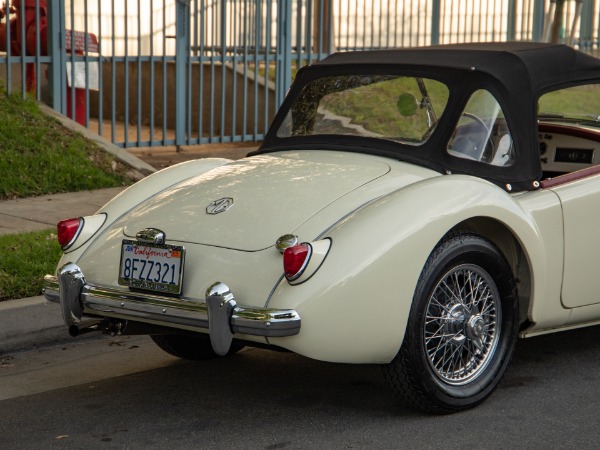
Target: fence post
point(283, 79)
point(435, 22)
point(537, 27)
point(182, 39)
point(323, 28)
point(57, 72)
point(511, 31)
point(587, 26)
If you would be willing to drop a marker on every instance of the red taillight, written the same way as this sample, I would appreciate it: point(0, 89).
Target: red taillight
point(68, 231)
point(295, 260)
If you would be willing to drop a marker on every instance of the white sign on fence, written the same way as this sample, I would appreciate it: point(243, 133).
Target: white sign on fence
point(80, 80)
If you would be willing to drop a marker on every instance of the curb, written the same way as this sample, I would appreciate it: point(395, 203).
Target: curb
point(30, 322)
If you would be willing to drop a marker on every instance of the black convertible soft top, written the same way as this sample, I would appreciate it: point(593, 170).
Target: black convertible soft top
point(517, 73)
point(542, 65)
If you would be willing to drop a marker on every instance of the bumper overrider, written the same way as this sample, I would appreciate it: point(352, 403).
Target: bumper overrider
point(219, 313)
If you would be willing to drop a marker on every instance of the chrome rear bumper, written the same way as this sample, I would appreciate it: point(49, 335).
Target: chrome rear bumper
point(219, 313)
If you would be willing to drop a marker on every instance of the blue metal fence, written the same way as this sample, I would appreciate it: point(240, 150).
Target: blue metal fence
point(186, 72)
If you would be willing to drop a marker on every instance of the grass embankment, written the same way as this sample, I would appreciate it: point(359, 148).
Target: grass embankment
point(39, 156)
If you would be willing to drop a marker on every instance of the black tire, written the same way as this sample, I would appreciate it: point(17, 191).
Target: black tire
point(195, 348)
point(454, 354)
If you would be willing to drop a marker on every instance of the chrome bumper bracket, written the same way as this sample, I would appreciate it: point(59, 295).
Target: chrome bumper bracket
point(221, 304)
point(71, 283)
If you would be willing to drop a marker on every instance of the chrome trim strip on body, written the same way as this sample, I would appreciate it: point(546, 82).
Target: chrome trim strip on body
point(345, 216)
point(181, 313)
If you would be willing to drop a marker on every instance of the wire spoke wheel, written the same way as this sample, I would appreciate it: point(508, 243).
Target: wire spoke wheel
point(461, 324)
point(462, 327)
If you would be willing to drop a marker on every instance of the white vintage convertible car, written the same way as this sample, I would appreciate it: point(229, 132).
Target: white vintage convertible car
point(419, 209)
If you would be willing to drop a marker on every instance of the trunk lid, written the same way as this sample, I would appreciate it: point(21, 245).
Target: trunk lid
point(272, 195)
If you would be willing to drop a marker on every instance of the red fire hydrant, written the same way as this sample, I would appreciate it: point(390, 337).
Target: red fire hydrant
point(24, 12)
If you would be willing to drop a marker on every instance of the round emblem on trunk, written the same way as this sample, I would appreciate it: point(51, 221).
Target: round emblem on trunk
point(219, 206)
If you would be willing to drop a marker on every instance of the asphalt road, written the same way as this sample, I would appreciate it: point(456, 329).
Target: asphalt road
point(126, 393)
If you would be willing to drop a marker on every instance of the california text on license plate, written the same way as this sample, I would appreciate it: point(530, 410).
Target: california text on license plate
point(153, 267)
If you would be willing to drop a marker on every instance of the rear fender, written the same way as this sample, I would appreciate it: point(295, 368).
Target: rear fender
point(355, 308)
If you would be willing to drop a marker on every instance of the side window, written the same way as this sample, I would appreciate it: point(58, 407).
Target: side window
point(575, 105)
point(481, 133)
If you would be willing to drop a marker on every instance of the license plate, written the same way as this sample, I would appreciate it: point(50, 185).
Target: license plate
point(152, 267)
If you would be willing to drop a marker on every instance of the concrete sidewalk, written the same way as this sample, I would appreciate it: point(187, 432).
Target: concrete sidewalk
point(41, 213)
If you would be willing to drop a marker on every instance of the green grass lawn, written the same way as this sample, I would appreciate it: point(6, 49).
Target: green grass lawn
point(24, 260)
point(38, 156)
